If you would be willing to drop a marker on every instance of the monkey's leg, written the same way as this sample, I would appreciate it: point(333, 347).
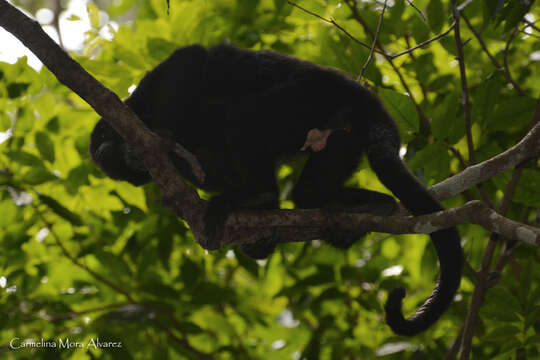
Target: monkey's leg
point(250, 184)
point(321, 184)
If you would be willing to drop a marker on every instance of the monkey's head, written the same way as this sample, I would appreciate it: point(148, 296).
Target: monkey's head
point(111, 153)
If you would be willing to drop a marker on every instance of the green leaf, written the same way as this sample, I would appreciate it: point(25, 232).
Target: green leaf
point(434, 160)
point(435, 15)
point(247, 263)
point(159, 48)
point(527, 191)
point(501, 305)
point(402, 110)
point(503, 333)
point(5, 122)
point(161, 291)
point(440, 82)
point(190, 272)
point(93, 14)
point(128, 313)
point(61, 210)
point(17, 89)
point(420, 30)
point(485, 98)
point(165, 245)
point(513, 13)
point(73, 17)
point(45, 146)
point(24, 158)
point(448, 122)
point(5, 177)
point(113, 264)
point(512, 113)
point(130, 57)
point(38, 176)
point(189, 327)
point(53, 125)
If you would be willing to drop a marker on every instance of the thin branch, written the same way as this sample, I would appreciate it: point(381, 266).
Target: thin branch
point(527, 148)
point(424, 122)
point(417, 9)
point(76, 261)
point(333, 22)
point(424, 43)
point(374, 43)
point(511, 38)
point(531, 24)
point(497, 65)
point(483, 275)
point(182, 342)
point(75, 314)
point(464, 87)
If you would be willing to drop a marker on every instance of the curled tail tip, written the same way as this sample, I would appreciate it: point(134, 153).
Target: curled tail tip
point(393, 303)
point(394, 314)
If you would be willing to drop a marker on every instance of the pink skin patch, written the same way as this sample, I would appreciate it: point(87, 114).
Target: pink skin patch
point(316, 140)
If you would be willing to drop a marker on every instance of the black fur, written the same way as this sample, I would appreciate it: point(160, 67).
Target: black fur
point(239, 111)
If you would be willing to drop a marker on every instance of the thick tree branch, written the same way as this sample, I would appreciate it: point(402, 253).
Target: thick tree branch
point(149, 147)
point(301, 225)
point(306, 225)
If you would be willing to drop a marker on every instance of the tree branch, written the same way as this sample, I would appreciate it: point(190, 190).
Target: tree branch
point(306, 225)
point(463, 75)
point(302, 225)
point(424, 43)
point(333, 22)
point(182, 199)
point(424, 122)
point(497, 65)
point(378, 31)
point(527, 148)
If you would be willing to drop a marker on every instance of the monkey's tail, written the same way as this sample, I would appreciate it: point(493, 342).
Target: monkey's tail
point(385, 161)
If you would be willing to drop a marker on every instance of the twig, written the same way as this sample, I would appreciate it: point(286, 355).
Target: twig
point(483, 275)
point(76, 261)
point(528, 147)
point(75, 314)
point(417, 9)
point(424, 43)
point(513, 35)
point(374, 43)
point(454, 349)
point(424, 123)
point(526, 33)
point(333, 22)
point(464, 87)
point(531, 24)
point(497, 65)
point(183, 342)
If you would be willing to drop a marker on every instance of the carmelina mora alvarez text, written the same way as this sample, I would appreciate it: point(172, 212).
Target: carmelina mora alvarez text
point(65, 343)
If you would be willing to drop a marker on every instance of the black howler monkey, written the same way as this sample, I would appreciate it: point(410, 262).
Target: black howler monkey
point(239, 111)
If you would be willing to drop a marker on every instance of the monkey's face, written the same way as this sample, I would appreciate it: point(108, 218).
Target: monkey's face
point(115, 157)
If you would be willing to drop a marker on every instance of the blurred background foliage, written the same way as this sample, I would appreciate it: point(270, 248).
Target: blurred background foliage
point(85, 257)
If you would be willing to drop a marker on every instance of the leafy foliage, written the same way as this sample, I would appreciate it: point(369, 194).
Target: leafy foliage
point(84, 257)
